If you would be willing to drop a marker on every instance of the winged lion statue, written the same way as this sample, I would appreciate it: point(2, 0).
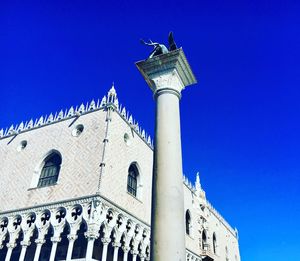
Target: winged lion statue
point(161, 48)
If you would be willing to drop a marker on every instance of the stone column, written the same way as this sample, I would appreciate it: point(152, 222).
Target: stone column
point(125, 250)
point(23, 251)
point(116, 251)
point(134, 255)
point(72, 239)
point(105, 242)
point(90, 248)
point(167, 75)
point(54, 247)
point(39, 244)
point(10, 248)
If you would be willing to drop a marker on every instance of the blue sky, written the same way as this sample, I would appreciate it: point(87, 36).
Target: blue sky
point(240, 123)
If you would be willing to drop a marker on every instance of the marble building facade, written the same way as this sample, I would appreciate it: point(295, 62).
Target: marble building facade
point(76, 185)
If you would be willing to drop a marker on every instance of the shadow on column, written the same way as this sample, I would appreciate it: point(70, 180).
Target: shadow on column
point(80, 244)
point(17, 250)
point(120, 254)
point(46, 248)
point(98, 247)
point(130, 255)
point(31, 248)
point(3, 251)
point(62, 246)
point(110, 250)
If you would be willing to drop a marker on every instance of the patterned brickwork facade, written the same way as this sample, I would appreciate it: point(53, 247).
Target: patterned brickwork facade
point(80, 170)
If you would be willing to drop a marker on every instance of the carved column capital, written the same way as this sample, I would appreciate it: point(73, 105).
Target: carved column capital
point(55, 239)
point(116, 244)
point(72, 237)
point(126, 249)
point(91, 235)
point(11, 245)
point(25, 243)
point(134, 252)
point(105, 240)
point(40, 241)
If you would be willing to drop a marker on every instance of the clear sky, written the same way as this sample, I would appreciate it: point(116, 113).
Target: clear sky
point(240, 123)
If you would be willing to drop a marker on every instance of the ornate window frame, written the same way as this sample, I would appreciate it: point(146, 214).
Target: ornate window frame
point(139, 186)
point(38, 170)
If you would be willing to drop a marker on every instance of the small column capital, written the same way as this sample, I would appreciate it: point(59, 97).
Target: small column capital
point(116, 244)
point(105, 240)
point(91, 235)
point(125, 249)
point(40, 241)
point(134, 252)
point(55, 239)
point(25, 243)
point(11, 245)
point(72, 237)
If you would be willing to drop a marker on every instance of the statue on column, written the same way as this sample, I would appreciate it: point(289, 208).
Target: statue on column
point(161, 48)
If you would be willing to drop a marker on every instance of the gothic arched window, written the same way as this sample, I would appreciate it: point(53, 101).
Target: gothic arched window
point(204, 239)
point(132, 179)
point(214, 243)
point(187, 222)
point(50, 170)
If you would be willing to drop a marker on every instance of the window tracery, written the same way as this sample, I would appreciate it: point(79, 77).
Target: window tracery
point(50, 170)
point(132, 180)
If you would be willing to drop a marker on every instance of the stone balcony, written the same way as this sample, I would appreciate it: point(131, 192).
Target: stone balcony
point(207, 254)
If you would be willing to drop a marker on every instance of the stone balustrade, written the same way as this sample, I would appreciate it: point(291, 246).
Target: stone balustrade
point(85, 220)
point(88, 228)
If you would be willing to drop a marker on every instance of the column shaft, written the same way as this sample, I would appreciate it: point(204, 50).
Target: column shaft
point(8, 254)
point(167, 190)
point(104, 251)
point(23, 253)
point(89, 249)
point(70, 249)
point(116, 251)
point(125, 257)
point(53, 250)
point(134, 257)
point(37, 251)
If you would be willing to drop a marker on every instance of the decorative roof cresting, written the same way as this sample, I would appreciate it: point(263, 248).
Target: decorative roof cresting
point(108, 101)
